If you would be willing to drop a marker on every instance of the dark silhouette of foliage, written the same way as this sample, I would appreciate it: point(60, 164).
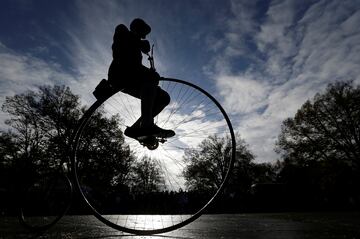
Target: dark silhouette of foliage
point(41, 125)
point(326, 128)
point(206, 170)
point(207, 165)
point(147, 176)
point(104, 161)
point(320, 147)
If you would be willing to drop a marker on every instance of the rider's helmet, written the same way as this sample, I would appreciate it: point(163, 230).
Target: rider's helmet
point(140, 27)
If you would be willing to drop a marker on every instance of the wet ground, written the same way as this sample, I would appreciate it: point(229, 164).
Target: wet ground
point(278, 225)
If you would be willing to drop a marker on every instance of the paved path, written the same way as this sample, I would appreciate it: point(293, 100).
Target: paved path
point(247, 226)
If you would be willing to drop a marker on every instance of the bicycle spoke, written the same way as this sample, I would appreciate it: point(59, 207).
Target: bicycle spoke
point(143, 188)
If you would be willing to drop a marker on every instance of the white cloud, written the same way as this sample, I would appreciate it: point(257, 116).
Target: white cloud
point(90, 44)
point(242, 94)
point(91, 40)
point(292, 52)
point(19, 72)
point(88, 48)
point(86, 44)
point(296, 56)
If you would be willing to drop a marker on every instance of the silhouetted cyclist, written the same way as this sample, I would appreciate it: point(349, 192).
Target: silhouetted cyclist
point(126, 72)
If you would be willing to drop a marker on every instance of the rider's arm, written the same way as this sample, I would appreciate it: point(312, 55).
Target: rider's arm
point(144, 46)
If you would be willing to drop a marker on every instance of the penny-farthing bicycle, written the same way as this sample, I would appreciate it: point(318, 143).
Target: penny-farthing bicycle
point(156, 187)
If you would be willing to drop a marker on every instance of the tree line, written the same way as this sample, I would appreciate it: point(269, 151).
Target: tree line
point(320, 149)
point(38, 142)
point(318, 168)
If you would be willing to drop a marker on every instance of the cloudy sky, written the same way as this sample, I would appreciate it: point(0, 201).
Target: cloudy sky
point(261, 59)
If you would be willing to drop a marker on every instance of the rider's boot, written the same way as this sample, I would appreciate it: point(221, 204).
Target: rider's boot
point(153, 130)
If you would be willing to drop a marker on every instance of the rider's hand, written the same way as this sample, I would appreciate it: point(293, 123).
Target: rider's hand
point(145, 46)
point(155, 77)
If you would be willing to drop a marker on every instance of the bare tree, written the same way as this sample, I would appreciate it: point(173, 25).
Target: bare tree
point(326, 128)
point(320, 147)
point(147, 176)
point(207, 165)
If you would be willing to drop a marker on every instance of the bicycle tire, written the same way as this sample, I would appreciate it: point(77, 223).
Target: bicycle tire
point(45, 202)
point(180, 86)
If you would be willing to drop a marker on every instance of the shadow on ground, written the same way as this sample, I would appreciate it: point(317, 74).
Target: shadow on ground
point(277, 225)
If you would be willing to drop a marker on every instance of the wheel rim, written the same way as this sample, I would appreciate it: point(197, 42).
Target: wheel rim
point(195, 116)
point(45, 201)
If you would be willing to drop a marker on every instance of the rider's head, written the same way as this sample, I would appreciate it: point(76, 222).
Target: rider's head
point(140, 28)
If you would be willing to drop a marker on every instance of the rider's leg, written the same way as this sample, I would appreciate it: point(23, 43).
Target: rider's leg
point(145, 124)
point(162, 99)
point(148, 95)
point(148, 111)
point(151, 104)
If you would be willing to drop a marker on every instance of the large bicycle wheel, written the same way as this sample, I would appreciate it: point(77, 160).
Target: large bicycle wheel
point(142, 191)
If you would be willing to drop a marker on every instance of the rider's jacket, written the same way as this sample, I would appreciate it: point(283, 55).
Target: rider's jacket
point(127, 51)
point(126, 47)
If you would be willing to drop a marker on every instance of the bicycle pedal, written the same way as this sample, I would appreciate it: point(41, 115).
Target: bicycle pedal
point(162, 140)
point(145, 138)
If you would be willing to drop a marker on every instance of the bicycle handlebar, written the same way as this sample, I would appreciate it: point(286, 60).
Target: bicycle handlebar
point(151, 58)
